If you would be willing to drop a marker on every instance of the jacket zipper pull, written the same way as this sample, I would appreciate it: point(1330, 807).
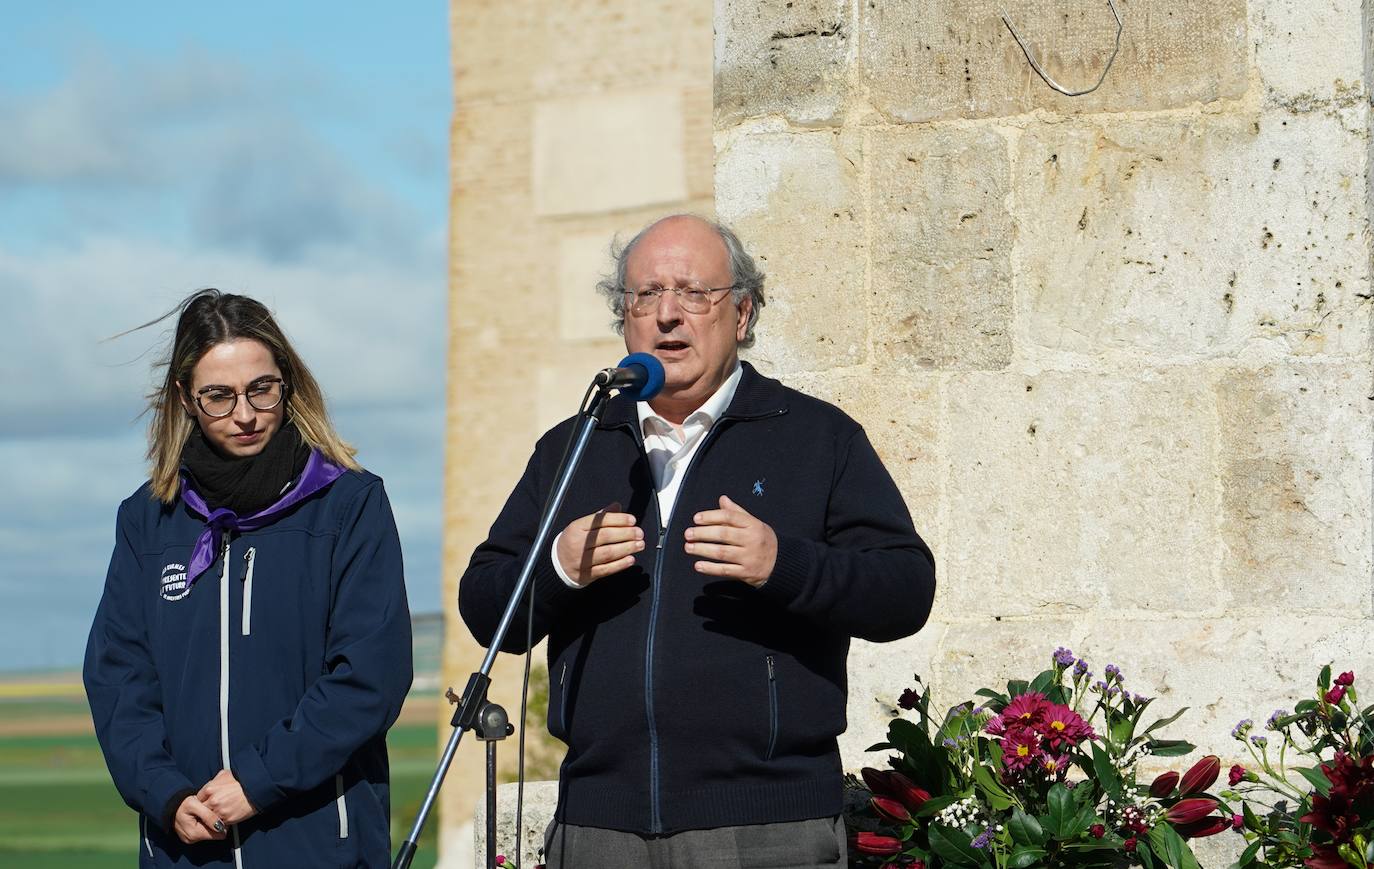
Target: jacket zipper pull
point(662, 533)
point(248, 562)
point(769, 659)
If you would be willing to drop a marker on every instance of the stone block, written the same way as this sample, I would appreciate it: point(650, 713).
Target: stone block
point(795, 200)
point(1072, 493)
point(782, 58)
point(541, 799)
point(878, 672)
point(1223, 670)
point(941, 249)
point(1295, 482)
point(1310, 55)
point(1202, 236)
point(603, 152)
point(923, 61)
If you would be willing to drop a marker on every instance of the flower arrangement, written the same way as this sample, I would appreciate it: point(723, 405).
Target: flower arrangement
point(1320, 816)
point(1045, 774)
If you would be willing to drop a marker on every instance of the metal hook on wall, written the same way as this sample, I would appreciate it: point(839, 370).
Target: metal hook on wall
point(1049, 80)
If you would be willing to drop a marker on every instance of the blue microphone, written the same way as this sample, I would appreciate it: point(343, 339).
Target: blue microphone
point(638, 376)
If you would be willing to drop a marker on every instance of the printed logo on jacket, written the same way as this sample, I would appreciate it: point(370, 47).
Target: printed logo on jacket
point(174, 585)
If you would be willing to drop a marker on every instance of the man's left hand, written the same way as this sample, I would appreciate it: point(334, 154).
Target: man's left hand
point(224, 796)
point(734, 543)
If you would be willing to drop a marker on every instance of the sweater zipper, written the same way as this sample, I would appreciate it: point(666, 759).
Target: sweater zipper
point(248, 558)
point(655, 797)
point(772, 709)
point(224, 683)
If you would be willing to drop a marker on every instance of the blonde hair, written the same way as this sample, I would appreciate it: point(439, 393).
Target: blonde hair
point(208, 318)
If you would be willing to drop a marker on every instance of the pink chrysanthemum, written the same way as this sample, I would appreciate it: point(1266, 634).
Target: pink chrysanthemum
point(1020, 750)
point(1060, 725)
point(1027, 709)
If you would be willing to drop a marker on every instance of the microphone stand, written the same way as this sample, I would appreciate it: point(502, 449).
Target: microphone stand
point(473, 710)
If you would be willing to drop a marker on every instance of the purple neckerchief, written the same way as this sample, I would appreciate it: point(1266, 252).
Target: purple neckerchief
point(319, 472)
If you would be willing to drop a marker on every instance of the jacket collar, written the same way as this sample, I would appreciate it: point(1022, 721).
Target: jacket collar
point(756, 397)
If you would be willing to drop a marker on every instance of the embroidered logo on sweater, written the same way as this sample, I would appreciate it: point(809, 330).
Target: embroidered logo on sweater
point(174, 585)
point(758, 487)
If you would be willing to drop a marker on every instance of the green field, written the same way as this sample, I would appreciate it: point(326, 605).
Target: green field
point(58, 807)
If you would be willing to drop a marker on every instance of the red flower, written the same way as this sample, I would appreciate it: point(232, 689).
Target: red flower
point(1237, 821)
point(910, 699)
point(1129, 845)
point(906, 791)
point(1201, 776)
point(879, 781)
point(1335, 813)
point(1190, 810)
point(1346, 679)
point(996, 725)
point(1019, 749)
point(1325, 857)
point(1202, 828)
point(919, 864)
point(1335, 695)
point(1097, 831)
point(1164, 785)
point(890, 809)
point(872, 843)
point(1028, 709)
point(1236, 775)
point(1059, 724)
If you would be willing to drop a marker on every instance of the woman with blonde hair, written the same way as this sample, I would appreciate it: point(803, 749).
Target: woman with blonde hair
point(252, 645)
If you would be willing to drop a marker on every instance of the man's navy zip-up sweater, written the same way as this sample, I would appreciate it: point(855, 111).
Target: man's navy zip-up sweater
point(689, 702)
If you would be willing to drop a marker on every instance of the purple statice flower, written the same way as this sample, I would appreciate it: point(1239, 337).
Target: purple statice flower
point(1100, 687)
point(1112, 672)
point(1242, 729)
point(1259, 741)
point(984, 839)
point(949, 743)
point(1140, 698)
point(1273, 722)
point(1063, 657)
point(1113, 691)
point(1080, 668)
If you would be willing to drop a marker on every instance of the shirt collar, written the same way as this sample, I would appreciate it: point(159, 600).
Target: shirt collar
point(711, 409)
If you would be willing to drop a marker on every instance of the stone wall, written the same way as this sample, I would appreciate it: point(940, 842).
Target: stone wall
point(573, 121)
point(1115, 349)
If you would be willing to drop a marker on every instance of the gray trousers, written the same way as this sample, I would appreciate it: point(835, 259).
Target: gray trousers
point(792, 845)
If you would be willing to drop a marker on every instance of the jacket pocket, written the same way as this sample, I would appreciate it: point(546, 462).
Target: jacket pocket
point(772, 708)
point(342, 803)
point(558, 700)
point(248, 559)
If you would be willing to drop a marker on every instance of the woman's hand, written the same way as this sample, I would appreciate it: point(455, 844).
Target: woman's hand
point(193, 822)
point(224, 796)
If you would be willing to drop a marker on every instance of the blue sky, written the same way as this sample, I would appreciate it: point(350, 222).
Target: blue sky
point(295, 152)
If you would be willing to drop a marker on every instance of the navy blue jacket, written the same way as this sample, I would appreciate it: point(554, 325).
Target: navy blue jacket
point(689, 702)
point(293, 649)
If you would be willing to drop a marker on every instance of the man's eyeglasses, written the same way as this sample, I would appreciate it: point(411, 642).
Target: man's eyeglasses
point(693, 298)
point(220, 401)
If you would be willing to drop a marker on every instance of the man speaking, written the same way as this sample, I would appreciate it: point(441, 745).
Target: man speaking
point(720, 545)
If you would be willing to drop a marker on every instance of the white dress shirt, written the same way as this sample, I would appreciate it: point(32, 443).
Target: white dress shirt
point(670, 451)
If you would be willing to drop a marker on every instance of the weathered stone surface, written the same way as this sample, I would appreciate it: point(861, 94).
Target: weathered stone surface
point(541, 799)
point(941, 249)
point(1310, 55)
point(1203, 236)
point(1223, 670)
point(583, 259)
point(796, 202)
point(1078, 493)
point(782, 58)
point(923, 61)
point(877, 674)
point(608, 151)
point(1296, 488)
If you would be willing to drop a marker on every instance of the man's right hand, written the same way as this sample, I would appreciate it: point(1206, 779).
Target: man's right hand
point(599, 544)
point(195, 823)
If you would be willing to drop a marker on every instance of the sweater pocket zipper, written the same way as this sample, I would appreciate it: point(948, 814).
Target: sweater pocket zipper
point(772, 709)
point(563, 698)
point(248, 558)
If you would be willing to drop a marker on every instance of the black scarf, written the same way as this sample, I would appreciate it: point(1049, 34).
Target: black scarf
point(245, 485)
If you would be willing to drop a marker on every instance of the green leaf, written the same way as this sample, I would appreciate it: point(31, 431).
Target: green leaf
point(997, 795)
point(1320, 783)
point(1171, 848)
point(1043, 681)
point(1106, 773)
point(1062, 810)
point(1305, 706)
point(1024, 857)
point(1252, 822)
point(1324, 679)
point(933, 805)
point(879, 746)
point(1170, 747)
point(1122, 730)
point(1017, 687)
point(1248, 855)
point(1025, 829)
point(1147, 859)
point(1164, 722)
point(953, 845)
point(1001, 699)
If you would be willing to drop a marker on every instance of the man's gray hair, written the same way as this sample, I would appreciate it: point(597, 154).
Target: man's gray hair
point(744, 274)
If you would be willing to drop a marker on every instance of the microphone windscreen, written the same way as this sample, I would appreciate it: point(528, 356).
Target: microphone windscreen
point(654, 375)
